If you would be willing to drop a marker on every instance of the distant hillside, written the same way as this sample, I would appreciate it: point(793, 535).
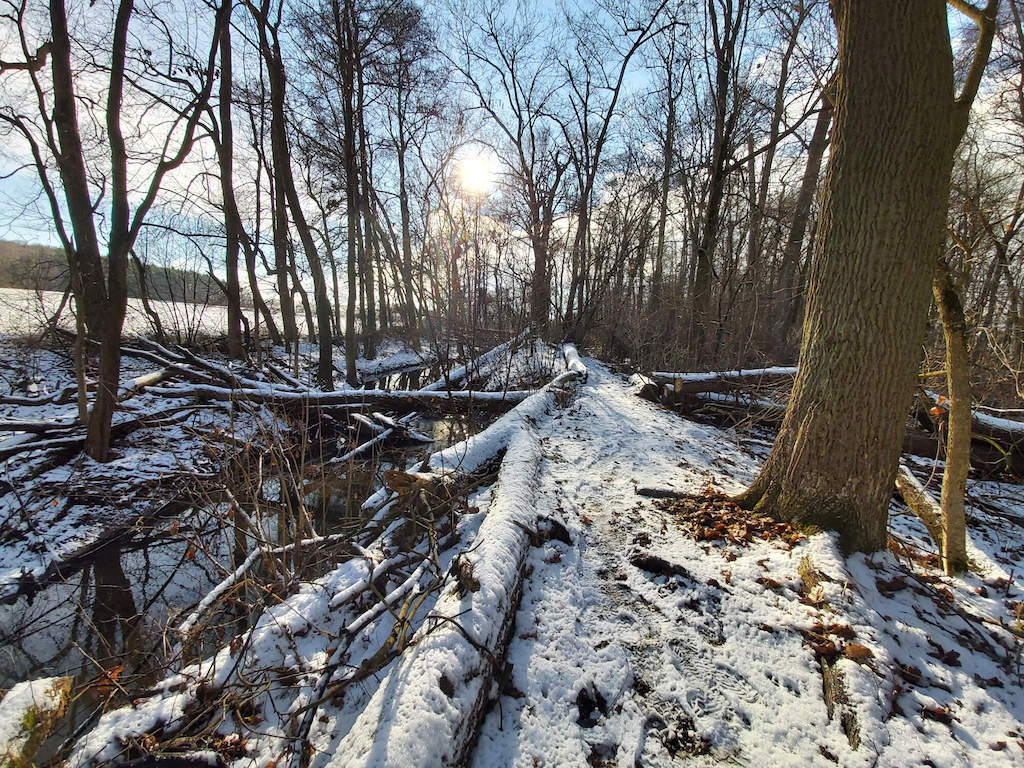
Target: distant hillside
point(39, 267)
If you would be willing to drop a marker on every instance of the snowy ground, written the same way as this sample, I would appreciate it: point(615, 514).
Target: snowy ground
point(24, 312)
point(709, 665)
point(635, 644)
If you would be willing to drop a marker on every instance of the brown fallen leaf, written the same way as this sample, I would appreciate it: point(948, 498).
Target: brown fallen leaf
point(841, 630)
point(858, 653)
point(938, 714)
point(826, 650)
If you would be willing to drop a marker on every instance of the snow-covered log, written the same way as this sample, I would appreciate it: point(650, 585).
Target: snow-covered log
point(758, 405)
point(268, 394)
point(920, 503)
point(235, 576)
point(476, 366)
point(572, 360)
point(985, 424)
point(472, 453)
point(428, 708)
point(997, 427)
point(28, 714)
point(723, 381)
point(38, 426)
point(384, 428)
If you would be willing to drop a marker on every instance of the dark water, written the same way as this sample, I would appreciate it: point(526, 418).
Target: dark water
point(143, 583)
point(404, 379)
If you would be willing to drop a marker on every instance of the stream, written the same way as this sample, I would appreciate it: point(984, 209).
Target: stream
point(139, 585)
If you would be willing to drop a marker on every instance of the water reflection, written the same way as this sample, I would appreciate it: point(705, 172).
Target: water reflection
point(111, 617)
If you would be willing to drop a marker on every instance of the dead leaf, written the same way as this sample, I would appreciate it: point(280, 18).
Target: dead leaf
point(938, 714)
point(858, 653)
point(841, 630)
point(826, 650)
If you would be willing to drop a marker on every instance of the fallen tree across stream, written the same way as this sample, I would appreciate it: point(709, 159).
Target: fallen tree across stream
point(433, 583)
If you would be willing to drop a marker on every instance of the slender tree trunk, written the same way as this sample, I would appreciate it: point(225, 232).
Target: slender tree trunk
point(84, 262)
point(281, 269)
point(249, 249)
point(232, 224)
point(666, 178)
point(140, 270)
point(97, 440)
point(82, 398)
point(540, 292)
point(285, 182)
point(345, 36)
point(958, 438)
point(835, 459)
point(367, 252)
point(411, 318)
point(725, 42)
point(786, 299)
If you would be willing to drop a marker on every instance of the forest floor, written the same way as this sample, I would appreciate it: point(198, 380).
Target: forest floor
point(650, 632)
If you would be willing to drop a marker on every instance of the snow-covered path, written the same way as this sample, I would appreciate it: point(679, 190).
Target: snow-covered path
point(612, 664)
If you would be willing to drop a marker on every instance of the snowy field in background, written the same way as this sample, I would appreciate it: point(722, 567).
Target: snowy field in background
point(24, 312)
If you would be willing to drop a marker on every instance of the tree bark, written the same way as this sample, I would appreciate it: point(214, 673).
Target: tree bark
point(97, 440)
point(367, 240)
point(84, 261)
point(346, 38)
point(287, 193)
point(232, 224)
point(958, 438)
point(835, 459)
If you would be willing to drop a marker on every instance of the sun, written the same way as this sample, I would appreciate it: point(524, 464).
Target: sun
point(476, 171)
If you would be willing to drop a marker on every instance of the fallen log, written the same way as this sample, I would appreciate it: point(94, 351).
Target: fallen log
point(456, 653)
point(40, 437)
point(920, 503)
point(29, 713)
point(474, 367)
point(1005, 431)
point(270, 395)
point(986, 457)
point(384, 428)
point(723, 381)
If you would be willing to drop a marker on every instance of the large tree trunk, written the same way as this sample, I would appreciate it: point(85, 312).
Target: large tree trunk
point(835, 459)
